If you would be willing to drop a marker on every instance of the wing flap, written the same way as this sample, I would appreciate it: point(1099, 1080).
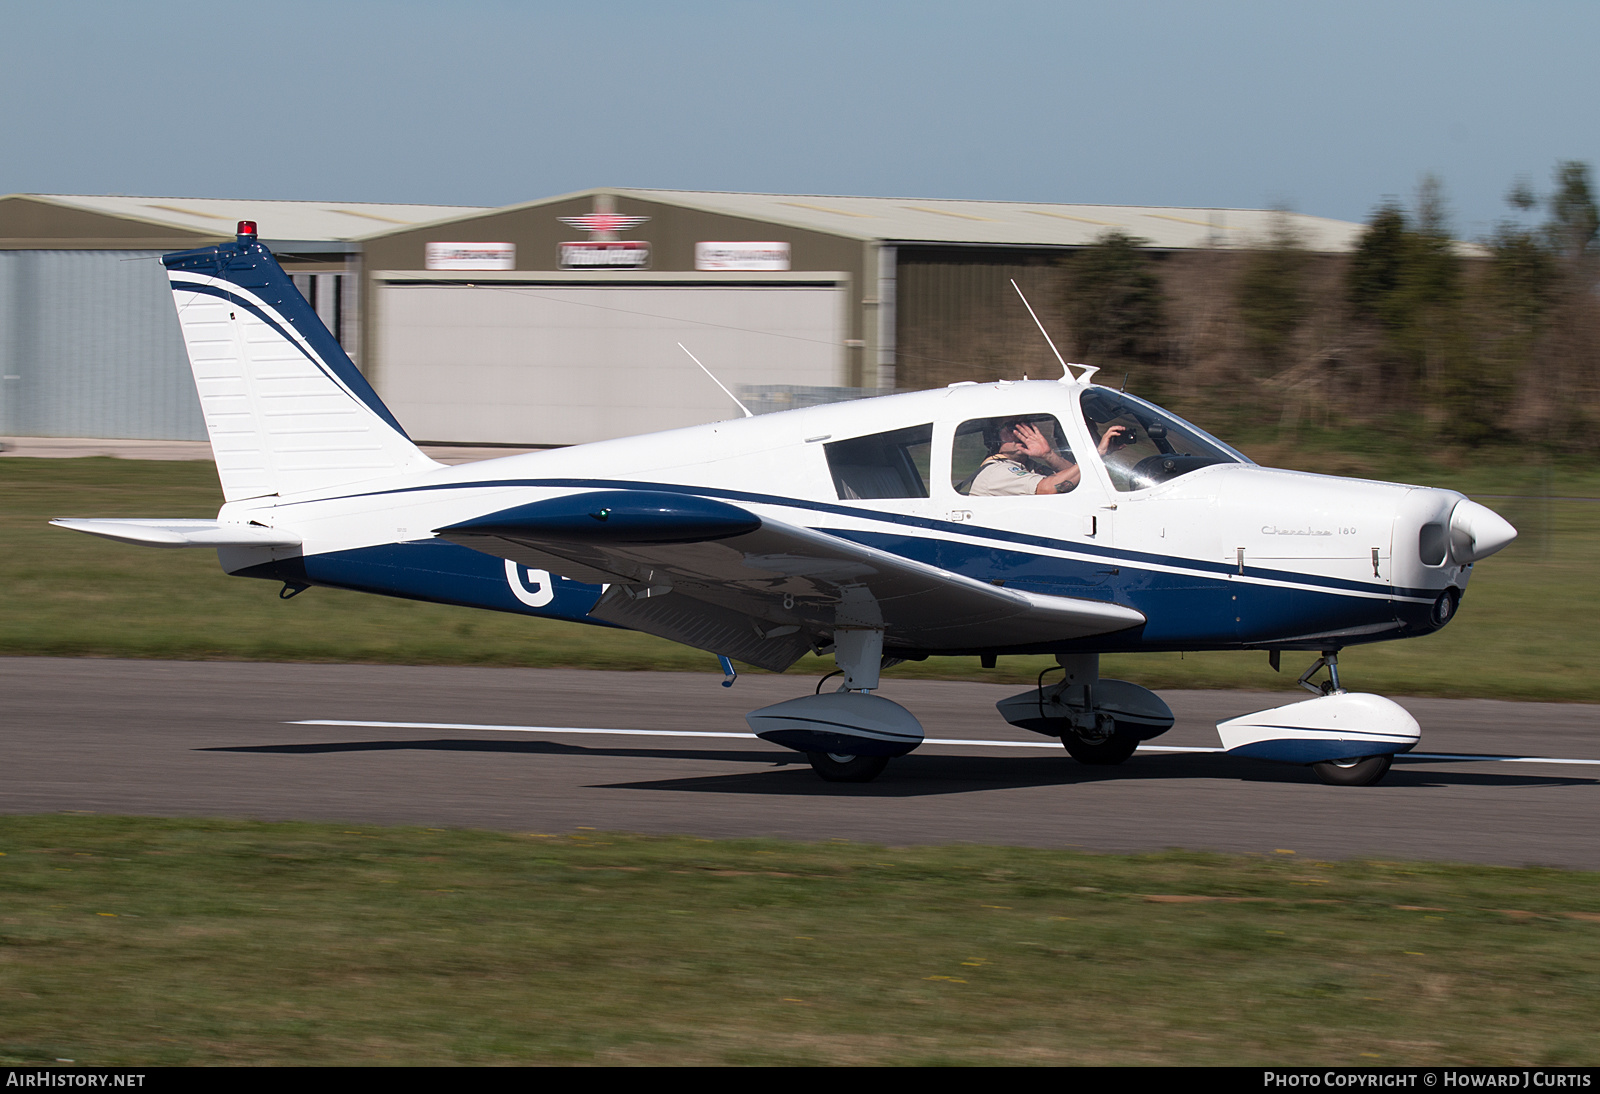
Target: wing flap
point(703, 625)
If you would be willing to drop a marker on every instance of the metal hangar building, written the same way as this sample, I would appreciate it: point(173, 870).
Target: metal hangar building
point(89, 343)
point(559, 321)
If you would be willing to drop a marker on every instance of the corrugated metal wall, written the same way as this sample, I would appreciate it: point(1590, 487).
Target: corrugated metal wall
point(90, 347)
point(332, 297)
point(958, 318)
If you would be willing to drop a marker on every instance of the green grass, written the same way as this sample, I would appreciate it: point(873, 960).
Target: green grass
point(74, 595)
point(130, 942)
point(1523, 631)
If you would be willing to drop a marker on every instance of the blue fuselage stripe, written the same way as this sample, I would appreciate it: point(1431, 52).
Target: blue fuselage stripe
point(1112, 555)
point(1204, 608)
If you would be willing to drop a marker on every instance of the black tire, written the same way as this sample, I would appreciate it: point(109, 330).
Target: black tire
point(1113, 750)
point(1363, 772)
point(836, 768)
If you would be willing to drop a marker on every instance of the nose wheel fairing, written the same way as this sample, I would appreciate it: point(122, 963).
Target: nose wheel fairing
point(1339, 727)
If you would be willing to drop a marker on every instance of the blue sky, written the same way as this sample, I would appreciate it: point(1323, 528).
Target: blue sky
point(1324, 107)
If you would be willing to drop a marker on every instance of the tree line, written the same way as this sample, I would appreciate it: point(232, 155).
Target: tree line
point(1476, 343)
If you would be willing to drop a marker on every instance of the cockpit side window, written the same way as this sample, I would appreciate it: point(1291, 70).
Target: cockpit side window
point(882, 465)
point(1152, 446)
point(985, 459)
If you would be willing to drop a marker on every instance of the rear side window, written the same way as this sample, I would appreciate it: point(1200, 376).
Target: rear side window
point(882, 465)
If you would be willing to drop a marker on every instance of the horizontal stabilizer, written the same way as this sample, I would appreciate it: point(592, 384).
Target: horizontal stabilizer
point(182, 533)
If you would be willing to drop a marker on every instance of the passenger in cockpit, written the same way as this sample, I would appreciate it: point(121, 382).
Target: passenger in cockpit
point(1020, 455)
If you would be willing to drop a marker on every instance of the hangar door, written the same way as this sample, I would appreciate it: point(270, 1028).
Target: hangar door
point(553, 361)
point(90, 347)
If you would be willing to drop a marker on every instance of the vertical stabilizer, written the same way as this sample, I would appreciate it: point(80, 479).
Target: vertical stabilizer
point(284, 406)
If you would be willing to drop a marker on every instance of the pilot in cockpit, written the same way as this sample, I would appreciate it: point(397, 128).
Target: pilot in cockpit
point(1023, 461)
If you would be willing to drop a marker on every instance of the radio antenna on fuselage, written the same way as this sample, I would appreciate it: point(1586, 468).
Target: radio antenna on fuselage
point(1066, 369)
point(718, 382)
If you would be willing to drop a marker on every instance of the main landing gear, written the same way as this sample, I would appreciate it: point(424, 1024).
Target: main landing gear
point(849, 735)
point(844, 768)
point(1101, 722)
point(1113, 748)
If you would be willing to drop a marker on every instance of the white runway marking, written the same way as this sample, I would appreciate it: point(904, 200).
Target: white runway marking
point(1486, 756)
point(471, 727)
point(636, 732)
point(518, 729)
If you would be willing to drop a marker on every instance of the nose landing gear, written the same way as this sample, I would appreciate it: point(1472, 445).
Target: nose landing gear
point(1360, 770)
point(1330, 686)
point(1346, 738)
point(1365, 771)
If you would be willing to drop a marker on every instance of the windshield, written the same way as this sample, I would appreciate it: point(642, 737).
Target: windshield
point(1152, 446)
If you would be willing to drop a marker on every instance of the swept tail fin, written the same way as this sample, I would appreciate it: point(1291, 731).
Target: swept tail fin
point(284, 406)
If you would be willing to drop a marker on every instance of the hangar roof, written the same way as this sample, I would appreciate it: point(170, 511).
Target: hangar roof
point(278, 220)
point(1001, 223)
point(1018, 222)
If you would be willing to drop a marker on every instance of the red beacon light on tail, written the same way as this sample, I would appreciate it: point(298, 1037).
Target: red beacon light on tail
point(247, 231)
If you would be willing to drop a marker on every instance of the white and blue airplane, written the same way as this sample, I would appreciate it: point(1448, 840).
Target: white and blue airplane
point(1036, 517)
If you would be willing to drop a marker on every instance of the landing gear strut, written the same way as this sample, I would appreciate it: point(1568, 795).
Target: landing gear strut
point(1330, 686)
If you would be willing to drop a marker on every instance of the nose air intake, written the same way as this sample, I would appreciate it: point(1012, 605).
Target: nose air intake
point(1476, 532)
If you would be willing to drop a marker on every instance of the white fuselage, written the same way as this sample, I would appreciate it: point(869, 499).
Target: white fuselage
point(1224, 556)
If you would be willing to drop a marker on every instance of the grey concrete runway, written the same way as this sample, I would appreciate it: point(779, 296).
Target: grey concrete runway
point(215, 739)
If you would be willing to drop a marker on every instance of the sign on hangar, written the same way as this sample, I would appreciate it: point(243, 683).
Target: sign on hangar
point(561, 321)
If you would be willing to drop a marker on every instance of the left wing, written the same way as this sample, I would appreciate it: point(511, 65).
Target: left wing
point(718, 577)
